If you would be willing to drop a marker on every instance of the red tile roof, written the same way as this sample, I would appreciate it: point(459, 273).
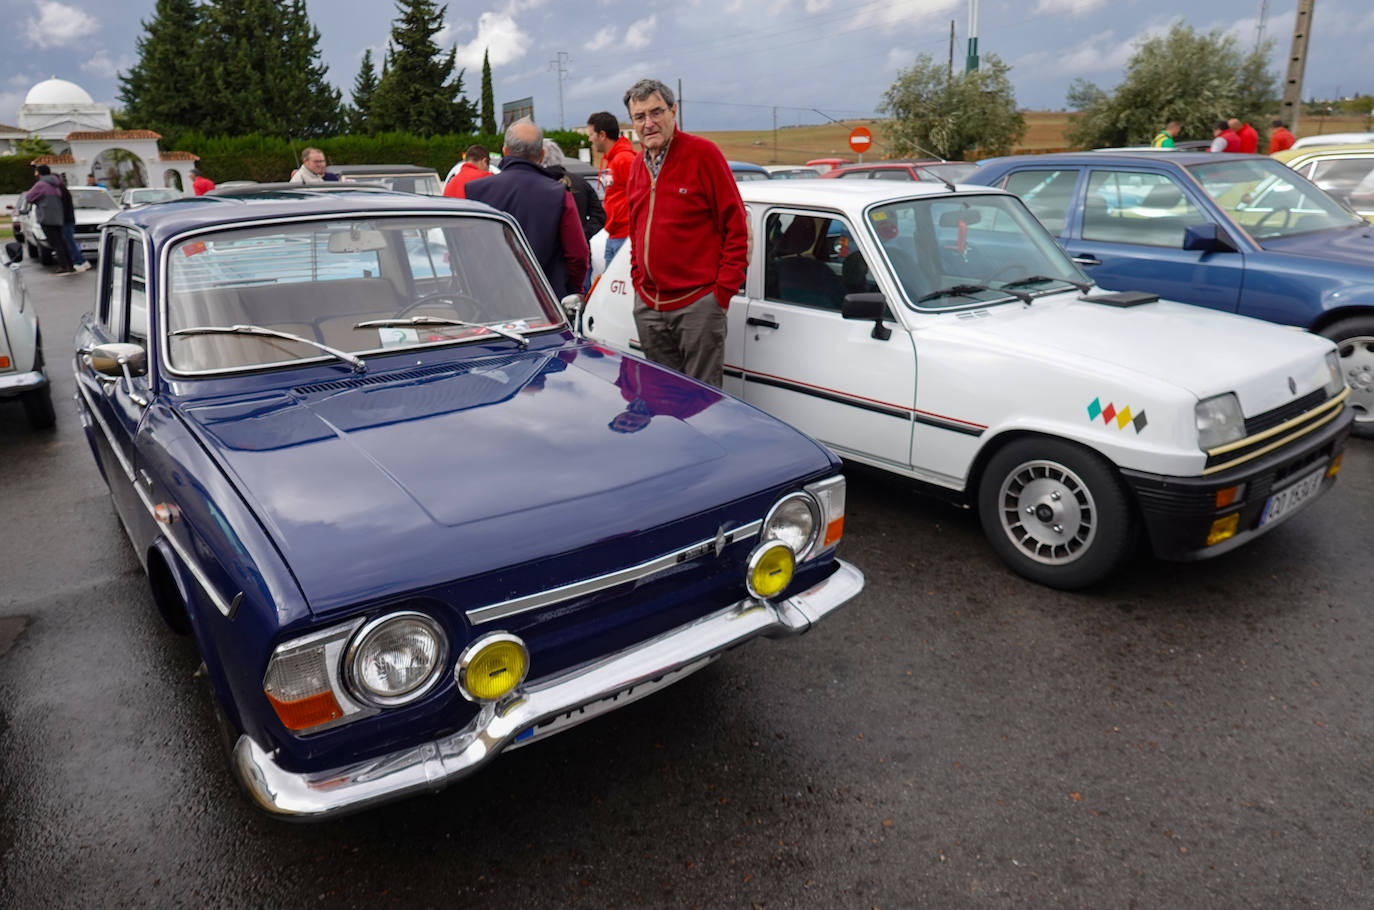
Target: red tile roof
point(179, 156)
point(113, 134)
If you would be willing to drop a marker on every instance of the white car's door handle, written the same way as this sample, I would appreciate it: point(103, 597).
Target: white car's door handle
point(767, 322)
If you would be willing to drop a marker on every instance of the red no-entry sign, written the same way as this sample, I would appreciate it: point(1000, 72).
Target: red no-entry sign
point(860, 139)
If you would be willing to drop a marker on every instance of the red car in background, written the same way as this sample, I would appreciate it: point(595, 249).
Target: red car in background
point(930, 169)
point(827, 164)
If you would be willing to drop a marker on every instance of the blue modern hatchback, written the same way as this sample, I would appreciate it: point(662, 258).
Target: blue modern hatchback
point(409, 519)
point(1240, 233)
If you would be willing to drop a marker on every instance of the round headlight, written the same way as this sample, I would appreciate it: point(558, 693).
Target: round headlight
point(793, 520)
point(492, 666)
point(395, 659)
point(770, 569)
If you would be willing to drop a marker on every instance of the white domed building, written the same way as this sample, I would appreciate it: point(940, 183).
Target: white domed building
point(82, 134)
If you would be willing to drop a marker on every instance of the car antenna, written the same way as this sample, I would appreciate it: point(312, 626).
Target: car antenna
point(941, 158)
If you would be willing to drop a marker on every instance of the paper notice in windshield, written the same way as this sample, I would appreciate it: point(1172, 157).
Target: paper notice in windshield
point(398, 337)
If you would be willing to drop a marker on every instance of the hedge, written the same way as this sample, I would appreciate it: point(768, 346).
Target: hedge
point(16, 173)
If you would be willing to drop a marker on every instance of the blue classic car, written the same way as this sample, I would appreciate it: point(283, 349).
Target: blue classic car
point(409, 518)
point(1240, 233)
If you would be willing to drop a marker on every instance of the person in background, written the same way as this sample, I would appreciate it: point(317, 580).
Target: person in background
point(1280, 138)
point(1166, 137)
point(79, 263)
point(584, 197)
point(1224, 139)
point(541, 205)
point(200, 184)
point(476, 165)
point(46, 196)
point(1249, 139)
point(617, 156)
point(91, 181)
point(312, 169)
point(682, 197)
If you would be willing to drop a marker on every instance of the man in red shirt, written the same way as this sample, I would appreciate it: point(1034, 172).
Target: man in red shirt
point(617, 155)
point(688, 238)
point(200, 184)
point(1280, 138)
point(1249, 139)
point(476, 165)
point(1224, 139)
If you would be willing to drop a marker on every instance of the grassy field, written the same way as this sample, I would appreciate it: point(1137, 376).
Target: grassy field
point(1045, 131)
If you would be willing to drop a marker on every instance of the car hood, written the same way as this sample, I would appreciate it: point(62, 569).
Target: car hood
point(1202, 351)
point(389, 482)
point(1353, 245)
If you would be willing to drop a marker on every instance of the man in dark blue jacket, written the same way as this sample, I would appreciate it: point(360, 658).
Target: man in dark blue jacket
point(543, 207)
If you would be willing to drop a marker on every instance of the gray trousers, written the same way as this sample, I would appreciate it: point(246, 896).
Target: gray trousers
point(690, 340)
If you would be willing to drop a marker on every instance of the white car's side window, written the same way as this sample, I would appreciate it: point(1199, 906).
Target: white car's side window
point(812, 260)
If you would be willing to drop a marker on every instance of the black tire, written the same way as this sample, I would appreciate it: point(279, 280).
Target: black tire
point(1354, 339)
point(1081, 527)
point(45, 255)
point(33, 250)
point(38, 407)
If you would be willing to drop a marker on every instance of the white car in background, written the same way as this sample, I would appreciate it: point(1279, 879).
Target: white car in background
point(22, 375)
point(92, 206)
point(941, 334)
point(142, 195)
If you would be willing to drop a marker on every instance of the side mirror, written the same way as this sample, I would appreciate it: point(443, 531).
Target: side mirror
point(118, 359)
point(1208, 238)
point(868, 306)
point(572, 306)
point(14, 252)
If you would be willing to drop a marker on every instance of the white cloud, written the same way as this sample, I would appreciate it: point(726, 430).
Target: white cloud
point(601, 39)
point(1100, 53)
point(58, 25)
point(1074, 7)
point(902, 13)
point(103, 66)
point(497, 34)
point(609, 87)
point(640, 33)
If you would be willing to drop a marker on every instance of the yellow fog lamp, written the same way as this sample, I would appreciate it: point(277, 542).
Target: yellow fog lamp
point(492, 666)
point(770, 569)
point(1335, 467)
point(1223, 529)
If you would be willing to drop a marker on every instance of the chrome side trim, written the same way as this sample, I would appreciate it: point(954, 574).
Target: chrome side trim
point(192, 565)
point(568, 699)
point(591, 585)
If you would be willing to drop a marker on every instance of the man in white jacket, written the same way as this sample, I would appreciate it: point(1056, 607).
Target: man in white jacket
point(312, 168)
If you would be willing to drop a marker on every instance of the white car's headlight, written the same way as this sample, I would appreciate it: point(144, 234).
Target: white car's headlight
point(1219, 421)
point(1336, 382)
point(794, 520)
point(396, 659)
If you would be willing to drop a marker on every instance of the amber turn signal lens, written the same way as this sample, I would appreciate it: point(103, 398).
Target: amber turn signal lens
point(1228, 495)
point(308, 712)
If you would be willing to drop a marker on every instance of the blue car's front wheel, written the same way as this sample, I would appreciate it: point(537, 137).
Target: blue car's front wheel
point(1355, 345)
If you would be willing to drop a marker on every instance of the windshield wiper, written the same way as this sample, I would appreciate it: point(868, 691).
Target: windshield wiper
point(968, 290)
point(355, 362)
point(441, 320)
point(1083, 287)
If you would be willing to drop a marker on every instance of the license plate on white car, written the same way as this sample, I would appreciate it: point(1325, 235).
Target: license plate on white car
point(1293, 497)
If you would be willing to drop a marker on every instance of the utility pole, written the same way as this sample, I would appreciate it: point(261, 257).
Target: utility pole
point(775, 135)
point(1297, 62)
point(1263, 19)
point(679, 103)
point(951, 50)
point(557, 63)
point(971, 63)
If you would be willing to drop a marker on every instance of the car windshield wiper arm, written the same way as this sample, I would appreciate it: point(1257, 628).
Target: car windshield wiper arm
point(442, 320)
point(958, 290)
point(1083, 287)
point(355, 362)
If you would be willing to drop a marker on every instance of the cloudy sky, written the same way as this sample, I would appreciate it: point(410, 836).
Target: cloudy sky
point(741, 63)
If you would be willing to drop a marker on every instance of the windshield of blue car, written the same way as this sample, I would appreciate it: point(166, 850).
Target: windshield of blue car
point(320, 279)
point(957, 251)
point(1270, 200)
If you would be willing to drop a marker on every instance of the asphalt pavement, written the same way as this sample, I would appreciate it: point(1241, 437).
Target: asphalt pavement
point(1188, 735)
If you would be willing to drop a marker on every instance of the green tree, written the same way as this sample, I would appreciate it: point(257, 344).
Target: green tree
point(364, 86)
point(934, 113)
point(488, 97)
point(157, 90)
point(261, 71)
point(1183, 75)
point(415, 93)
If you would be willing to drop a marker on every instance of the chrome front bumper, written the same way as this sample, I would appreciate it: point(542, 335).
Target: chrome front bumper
point(557, 703)
point(14, 383)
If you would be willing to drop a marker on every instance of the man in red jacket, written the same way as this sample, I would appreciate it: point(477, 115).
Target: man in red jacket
point(476, 165)
point(617, 156)
point(688, 238)
point(1249, 139)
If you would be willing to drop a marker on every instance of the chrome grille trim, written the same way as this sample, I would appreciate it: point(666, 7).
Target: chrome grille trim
point(479, 615)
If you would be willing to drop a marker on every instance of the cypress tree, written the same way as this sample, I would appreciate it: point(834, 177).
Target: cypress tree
point(261, 71)
point(364, 86)
point(157, 91)
point(415, 93)
point(488, 99)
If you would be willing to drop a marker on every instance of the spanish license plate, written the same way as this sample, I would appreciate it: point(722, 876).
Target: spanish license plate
point(1292, 497)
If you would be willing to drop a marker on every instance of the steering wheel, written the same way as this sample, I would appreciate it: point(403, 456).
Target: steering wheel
point(1007, 272)
point(1287, 215)
point(464, 307)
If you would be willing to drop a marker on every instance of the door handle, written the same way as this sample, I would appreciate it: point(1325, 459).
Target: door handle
point(1086, 260)
point(767, 322)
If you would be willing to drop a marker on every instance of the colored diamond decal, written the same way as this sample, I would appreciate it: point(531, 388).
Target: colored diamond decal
point(1140, 421)
point(1123, 418)
point(1109, 413)
point(1095, 408)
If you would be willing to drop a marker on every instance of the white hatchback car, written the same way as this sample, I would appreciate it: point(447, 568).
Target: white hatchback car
point(22, 375)
point(92, 206)
point(941, 334)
